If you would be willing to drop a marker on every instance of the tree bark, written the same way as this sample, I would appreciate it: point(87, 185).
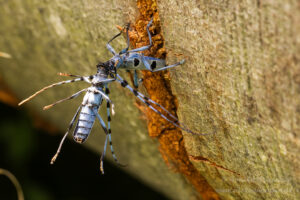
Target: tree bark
point(240, 84)
point(241, 81)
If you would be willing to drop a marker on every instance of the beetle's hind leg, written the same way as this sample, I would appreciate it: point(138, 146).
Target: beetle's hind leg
point(108, 136)
point(109, 129)
point(63, 139)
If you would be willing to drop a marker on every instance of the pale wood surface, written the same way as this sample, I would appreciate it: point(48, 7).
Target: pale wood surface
point(242, 80)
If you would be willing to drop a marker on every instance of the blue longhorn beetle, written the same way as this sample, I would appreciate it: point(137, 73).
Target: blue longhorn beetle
point(107, 73)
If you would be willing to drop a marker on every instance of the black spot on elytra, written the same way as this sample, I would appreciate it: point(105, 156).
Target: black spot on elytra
point(136, 62)
point(153, 65)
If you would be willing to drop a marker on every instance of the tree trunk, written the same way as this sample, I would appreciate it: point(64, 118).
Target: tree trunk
point(242, 80)
point(240, 84)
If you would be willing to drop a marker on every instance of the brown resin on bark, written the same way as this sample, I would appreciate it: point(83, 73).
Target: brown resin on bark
point(158, 87)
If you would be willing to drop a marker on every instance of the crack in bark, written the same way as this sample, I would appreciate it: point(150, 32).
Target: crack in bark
point(158, 87)
point(206, 160)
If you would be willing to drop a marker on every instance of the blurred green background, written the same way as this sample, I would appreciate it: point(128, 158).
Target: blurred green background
point(26, 152)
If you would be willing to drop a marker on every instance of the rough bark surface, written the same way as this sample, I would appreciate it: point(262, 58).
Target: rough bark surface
point(241, 82)
point(44, 38)
point(170, 138)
